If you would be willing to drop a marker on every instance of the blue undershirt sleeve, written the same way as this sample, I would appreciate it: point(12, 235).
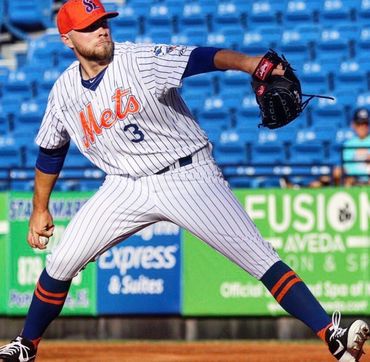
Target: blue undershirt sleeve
point(201, 60)
point(51, 161)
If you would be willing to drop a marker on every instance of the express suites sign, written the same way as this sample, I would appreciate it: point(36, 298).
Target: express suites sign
point(142, 274)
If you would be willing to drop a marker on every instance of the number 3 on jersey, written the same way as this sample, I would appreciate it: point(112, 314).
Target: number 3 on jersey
point(134, 129)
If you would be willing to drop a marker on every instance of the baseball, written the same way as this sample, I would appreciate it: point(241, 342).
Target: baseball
point(43, 240)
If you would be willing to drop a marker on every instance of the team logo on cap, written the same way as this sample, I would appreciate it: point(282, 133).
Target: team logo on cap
point(90, 5)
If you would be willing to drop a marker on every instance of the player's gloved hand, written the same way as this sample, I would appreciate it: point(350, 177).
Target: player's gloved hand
point(41, 228)
point(279, 96)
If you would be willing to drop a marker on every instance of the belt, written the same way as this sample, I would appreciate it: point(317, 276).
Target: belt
point(181, 162)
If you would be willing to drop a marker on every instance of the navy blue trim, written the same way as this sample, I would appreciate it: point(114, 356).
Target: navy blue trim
point(201, 60)
point(93, 83)
point(51, 161)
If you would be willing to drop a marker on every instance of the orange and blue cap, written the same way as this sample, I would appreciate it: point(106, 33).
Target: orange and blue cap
point(79, 14)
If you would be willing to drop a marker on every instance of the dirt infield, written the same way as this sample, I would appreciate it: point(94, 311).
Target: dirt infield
point(225, 351)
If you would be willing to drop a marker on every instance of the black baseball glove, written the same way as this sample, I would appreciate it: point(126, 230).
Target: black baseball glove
point(279, 97)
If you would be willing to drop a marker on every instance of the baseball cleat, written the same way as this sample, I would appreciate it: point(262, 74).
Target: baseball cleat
point(346, 344)
point(18, 350)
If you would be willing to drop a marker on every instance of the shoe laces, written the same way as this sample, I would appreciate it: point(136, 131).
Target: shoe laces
point(14, 347)
point(337, 331)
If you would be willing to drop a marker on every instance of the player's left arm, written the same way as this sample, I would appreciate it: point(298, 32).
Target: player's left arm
point(208, 59)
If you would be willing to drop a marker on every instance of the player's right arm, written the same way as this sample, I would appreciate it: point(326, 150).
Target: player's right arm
point(48, 166)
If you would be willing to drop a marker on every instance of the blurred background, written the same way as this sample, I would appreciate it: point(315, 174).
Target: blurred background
point(302, 169)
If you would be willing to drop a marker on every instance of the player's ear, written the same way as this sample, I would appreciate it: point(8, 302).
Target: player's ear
point(66, 40)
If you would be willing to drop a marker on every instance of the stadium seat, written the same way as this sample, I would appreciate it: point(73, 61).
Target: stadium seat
point(30, 15)
point(351, 76)
point(233, 82)
point(141, 7)
point(363, 12)
point(309, 32)
point(227, 16)
point(310, 152)
point(294, 47)
point(10, 156)
point(334, 12)
point(159, 36)
point(256, 42)
point(248, 114)
point(230, 149)
point(193, 17)
point(175, 7)
point(331, 47)
point(297, 12)
point(202, 85)
point(159, 19)
point(363, 100)
point(314, 79)
point(262, 13)
point(190, 36)
point(30, 116)
point(328, 112)
point(75, 158)
point(240, 182)
point(18, 85)
point(268, 153)
point(362, 44)
point(214, 112)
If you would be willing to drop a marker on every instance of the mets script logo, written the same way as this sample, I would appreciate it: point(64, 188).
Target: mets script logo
point(124, 104)
point(90, 5)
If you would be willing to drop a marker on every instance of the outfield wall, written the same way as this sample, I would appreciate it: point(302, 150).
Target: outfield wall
point(163, 271)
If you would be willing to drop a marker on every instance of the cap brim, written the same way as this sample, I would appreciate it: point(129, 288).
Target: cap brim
point(85, 24)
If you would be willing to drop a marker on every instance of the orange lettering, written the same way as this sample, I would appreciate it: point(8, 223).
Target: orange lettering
point(107, 119)
point(117, 98)
point(89, 126)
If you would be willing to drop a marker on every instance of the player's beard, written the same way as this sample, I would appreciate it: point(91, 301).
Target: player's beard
point(102, 52)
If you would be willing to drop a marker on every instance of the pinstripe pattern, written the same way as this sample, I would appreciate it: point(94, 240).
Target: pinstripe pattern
point(196, 197)
point(141, 143)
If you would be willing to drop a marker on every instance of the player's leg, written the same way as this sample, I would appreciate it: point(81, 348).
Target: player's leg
point(115, 212)
point(200, 201)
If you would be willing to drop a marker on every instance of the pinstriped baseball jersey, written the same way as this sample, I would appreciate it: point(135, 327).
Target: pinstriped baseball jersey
point(135, 122)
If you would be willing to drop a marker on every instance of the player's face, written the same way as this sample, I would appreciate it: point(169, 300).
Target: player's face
point(93, 43)
point(362, 129)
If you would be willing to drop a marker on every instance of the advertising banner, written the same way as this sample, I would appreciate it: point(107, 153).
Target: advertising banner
point(26, 264)
point(323, 234)
point(141, 275)
point(4, 230)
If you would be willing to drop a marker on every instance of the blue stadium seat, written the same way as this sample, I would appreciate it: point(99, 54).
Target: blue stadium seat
point(343, 134)
point(128, 19)
point(248, 114)
point(334, 12)
point(309, 32)
point(209, 7)
point(268, 153)
point(351, 76)
point(240, 182)
point(362, 44)
point(294, 47)
point(314, 79)
point(141, 7)
point(328, 112)
point(256, 42)
point(31, 15)
point(227, 16)
point(298, 12)
point(18, 85)
point(29, 116)
point(214, 112)
point(363, 100)
point(202, 85)
point(307, 153)
point(262, 13)
point(331, 47)
point(230, 149)
point(363, 12)
point(159, 19)
point(10, 156)
point(324, 132)
point(193, 17)
point(176, 7)
point(234, 82)
point(160, 36)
